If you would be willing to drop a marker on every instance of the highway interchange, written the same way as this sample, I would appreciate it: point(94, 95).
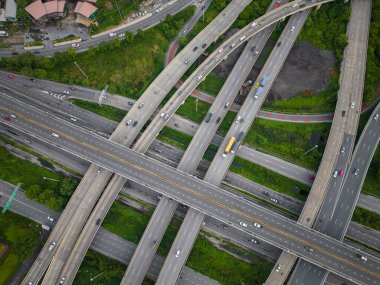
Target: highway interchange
point(123, 161)
point(68, 138)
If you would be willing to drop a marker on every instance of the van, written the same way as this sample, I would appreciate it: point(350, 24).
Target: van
point(238, 119)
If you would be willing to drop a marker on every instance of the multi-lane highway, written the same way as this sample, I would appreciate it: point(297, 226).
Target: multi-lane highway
point(343, 129)
point(189, 162)
point(279, 231)
point(151, 99)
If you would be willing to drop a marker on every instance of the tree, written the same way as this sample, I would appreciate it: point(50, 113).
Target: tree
point(24, 245)
point(33, 192)
point(68, 186)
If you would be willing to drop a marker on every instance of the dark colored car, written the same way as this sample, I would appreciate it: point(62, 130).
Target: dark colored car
point(98, 221)
point(204, 45)
point(7, 118)
point(15, 53)
point(278, 44)
point(195, 48)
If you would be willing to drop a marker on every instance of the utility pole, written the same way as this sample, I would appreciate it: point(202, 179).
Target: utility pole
point(47, 178)
point(93, 278)
point(103, 95)
point(310, 149)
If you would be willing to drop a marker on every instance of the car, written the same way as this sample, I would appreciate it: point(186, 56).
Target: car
point(376, 117)
point(112, 35)
point(335, 173)
point(343, 149)
point(221, 49)
point(99, 170)
point(12, 116)
point(11, 76)
point(218, 120)
point(343, 113)
point(156, 149)
point(273, 200)
point(74, 45)
point(352, 105)
point(122, 35)
point(232, 45)
point(308, 248)
point(186, 61)
point(98, 222)
point(294, 5)
point(177, 253)
point(30, 283)
point(217, 59)
point(363, 258)
point(226, 105)
point(66, 92)
point(199, 78)
point(166, 116)
point(32, 79)
point(278, 268)
point(257, 225)
point(36, 52)
point(278, 44)
point(162, 115)
point(135, 123)
point(195, 48)
point(128, 122)
point(292, 29)
point(159, 197)
point(204, 45)
point(356, 171)
point(72, 87)
point(257, 85)
point(254, 241)
point(62, 280)
point(52, 246)
point(154, 242)
point(73, 119)
point(238, 119)
point(140, 105)
point(340, 173)
point(253, 24)
point(311, 177)
point(55, 135)
point(51, 219)
point(243, 224)
point(7, 118)
point(130, 103)
point(224, 226)
point(242, 38)
point(184, 31)
point(27, 141)
point(15, 53)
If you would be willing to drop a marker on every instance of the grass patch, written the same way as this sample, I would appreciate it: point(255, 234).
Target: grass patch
point(204, 258)
point(108, 112)
point(308, 101)
point(289, 141)
point(212, 84)
point(174, 138)
point(269, 178)
point(366, 218)
point(22, 237)
point(67, 39)
point(188, 110)
point(371, 182)
point(128, 66)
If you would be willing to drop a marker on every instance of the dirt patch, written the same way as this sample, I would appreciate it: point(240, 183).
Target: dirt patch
point(306, 68)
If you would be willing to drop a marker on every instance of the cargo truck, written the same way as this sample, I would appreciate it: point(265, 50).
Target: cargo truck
point(229, 146)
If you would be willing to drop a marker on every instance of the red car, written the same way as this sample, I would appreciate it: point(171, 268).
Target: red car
point(11, 76)
point(7, 118)
point(277, 4)
point(340, 172)
point(311, 177)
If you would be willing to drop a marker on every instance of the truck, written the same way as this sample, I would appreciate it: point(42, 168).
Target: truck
point(249, 82)
point(277, 4)
point(45, 227)
point(262, 84)
point(208, 117)
point(240, 136)
point(3, 34)
point(229, 145)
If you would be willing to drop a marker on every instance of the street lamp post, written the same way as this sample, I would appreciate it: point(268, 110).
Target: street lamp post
point(80, 69)
point(310, 149)
point(47, 178)
point(93, 278)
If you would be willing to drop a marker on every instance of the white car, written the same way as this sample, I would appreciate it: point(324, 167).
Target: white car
point(122, 35)
point(363, 258)
point(376, 117)
point(99, 170)
point(50, 219)
point(74, 45)
point(177, 253)
point(73, 119)
point(273, 200)
point(55, 135)
point(352, 105)
point(243, 224)
point(112, 35)
point(242, 38)
point(294, 5)
point(128, 122)
point(257, 225)
point(62, 280)
point(292, 29)
point(278, 268)
point(199, 78)
point(253, 24)
point(343, 149)
point(335, 173)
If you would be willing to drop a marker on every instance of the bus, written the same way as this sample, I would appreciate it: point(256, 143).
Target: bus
point(229, 145)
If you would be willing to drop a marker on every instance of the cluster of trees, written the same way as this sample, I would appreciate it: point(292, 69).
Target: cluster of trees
point(55, 199)
point(173, 24)
point(254, 10)
point(367, 218)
